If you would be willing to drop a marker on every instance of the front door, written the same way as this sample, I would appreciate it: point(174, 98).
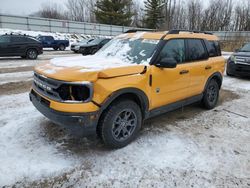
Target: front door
point(170, 85)
point(5, 45)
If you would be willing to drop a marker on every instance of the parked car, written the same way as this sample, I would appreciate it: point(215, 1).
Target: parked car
point(133, 78)
point(239, 62)
point(75, 47)
point(20, 45)
point(93, 46)
point(50, 42)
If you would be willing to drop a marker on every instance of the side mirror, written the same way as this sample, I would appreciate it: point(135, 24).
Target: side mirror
point(237, 50)
point(167, 63)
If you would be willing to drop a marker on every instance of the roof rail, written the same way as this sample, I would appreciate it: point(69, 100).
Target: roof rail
point(136, 30)
point(177, 31)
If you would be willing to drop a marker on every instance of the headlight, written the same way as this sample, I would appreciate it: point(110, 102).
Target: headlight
point(76, 92)
point(232, 58)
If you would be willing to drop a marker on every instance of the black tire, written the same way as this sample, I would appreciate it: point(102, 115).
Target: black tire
point(120, 124)
point(55, 48)
point(32, 54)
point(61, 47)
point(24, 57)
point(211, 95)
point(228, 74)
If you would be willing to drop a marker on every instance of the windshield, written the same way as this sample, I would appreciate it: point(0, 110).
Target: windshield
point(133, 51)
point(84, 41)
point(95, 41)
point(245, 48)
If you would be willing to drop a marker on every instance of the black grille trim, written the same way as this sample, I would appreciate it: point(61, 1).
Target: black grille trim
point(50, 88)
point(47, 87)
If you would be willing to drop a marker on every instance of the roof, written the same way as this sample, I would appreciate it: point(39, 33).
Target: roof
point(166, 35)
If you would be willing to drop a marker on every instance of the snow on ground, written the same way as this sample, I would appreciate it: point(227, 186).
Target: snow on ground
point(25, 151)
point(15, 77)
point(14, 62)
point(226, 55)
point(185, 148)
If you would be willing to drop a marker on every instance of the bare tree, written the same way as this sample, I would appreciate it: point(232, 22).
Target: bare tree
point(54, 11)
point(194, 14)
point(242, 17)
point(218, 15)
point(81, 10)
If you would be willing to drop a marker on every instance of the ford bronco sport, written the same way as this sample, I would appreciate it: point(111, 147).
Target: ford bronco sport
point(132, 78)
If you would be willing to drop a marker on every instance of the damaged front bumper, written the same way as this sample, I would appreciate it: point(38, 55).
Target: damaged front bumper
point(81, 124)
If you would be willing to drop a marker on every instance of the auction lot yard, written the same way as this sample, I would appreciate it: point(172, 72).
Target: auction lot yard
point(189, 147)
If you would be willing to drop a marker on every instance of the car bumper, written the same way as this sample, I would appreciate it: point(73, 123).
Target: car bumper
point(78, 124)
point(238, 69)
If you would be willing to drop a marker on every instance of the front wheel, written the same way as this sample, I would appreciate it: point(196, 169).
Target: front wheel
point(32, 54)
point(120, 124)
point(211, 95)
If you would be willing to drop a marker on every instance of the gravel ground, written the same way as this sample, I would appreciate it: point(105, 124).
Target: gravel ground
point(189, 147)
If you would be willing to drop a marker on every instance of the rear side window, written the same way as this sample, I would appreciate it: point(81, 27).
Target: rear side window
point(48, 38)
point(174, 48)
point(213, 48)
point(31, 40)
point(18, 39)
point(4, 39)
point(196, 50)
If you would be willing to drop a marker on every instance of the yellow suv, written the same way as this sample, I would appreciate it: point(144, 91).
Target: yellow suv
point(137, 75)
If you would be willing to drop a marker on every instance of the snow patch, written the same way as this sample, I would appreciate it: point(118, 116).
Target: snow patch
point(25, 153)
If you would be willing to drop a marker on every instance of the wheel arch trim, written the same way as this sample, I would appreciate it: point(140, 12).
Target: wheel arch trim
point(143, 99)
point(216, 75)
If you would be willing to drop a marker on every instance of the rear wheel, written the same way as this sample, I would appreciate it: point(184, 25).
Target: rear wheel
point(32, 54)
point(211, 95)
point(61, 47)
point(120, 124)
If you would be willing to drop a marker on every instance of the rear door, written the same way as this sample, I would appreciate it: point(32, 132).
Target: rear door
point(18, 45)
point(199, 65)
point(170, 85)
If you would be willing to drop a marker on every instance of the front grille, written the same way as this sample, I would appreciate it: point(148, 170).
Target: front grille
point(242, 60)
point(47, 87)
point(62, 91)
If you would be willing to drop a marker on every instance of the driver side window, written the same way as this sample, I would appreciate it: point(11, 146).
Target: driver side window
point(175, 49)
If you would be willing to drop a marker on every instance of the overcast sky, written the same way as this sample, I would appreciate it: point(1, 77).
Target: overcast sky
point(24, 7)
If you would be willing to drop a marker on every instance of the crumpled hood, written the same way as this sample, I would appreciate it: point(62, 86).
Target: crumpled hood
point(86, 68)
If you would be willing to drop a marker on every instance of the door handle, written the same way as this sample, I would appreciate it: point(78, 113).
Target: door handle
point(208, 67)
point(184, 72)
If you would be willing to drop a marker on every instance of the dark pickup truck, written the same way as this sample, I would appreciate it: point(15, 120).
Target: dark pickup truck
point(50, 42)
